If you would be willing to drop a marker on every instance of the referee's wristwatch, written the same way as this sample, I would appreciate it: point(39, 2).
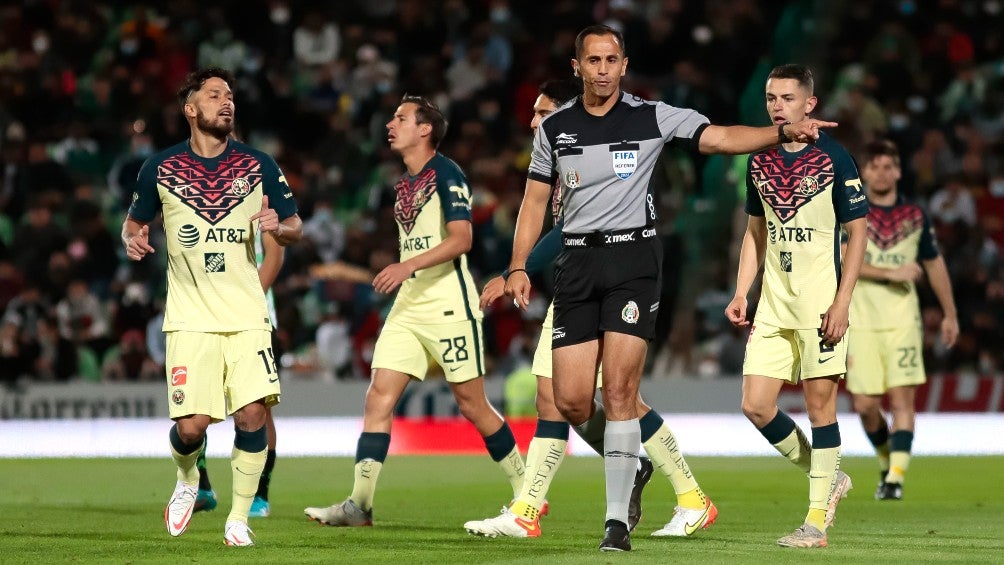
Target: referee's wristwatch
point(781, 136)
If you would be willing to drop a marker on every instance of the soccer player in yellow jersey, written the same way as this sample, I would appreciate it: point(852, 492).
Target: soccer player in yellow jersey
point(214, 193)
point(434, 313)
point(269, 255)
point(885, 355)
point(798, 195)
point(694, 509)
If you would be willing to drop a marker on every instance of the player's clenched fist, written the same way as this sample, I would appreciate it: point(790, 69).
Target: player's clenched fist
point(138, 245)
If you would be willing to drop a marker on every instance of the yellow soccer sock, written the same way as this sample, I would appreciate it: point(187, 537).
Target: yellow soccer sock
point(694, 499)
point(899, 463)
point(188, 471)
point(816, 517)
point(514, 468)
point(797, 449)
point(900, 443)
point(542, 461)
point(825, 462)
point(664, 452)
point(367, 472)
point(247, 467)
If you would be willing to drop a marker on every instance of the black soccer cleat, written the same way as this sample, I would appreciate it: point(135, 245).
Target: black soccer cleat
point(889, 491)
point(616, 538)
point(641, 478)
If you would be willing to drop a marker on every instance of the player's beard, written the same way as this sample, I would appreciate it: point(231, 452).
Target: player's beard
point(220, 129)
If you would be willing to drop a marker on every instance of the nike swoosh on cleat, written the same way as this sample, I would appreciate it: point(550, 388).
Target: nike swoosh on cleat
point(689, 528)
point(530, 527)
point(181, 523)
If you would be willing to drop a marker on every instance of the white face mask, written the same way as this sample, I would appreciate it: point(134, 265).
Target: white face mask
point(997, 187)
point(40, 43)
point(279, 14)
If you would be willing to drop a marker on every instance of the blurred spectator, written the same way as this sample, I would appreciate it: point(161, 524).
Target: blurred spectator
point(53, 357)
point(334, 344)
point(82, 318)
point(953, 203)
point(36, 241)
point(316, 41)
point(128, 361)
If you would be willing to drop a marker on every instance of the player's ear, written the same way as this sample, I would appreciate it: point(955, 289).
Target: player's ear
point(189, 110)
point(624, 68)
point(810, 104)
point(575, 68)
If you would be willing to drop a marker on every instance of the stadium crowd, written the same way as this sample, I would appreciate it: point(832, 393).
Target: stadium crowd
point(87, 93)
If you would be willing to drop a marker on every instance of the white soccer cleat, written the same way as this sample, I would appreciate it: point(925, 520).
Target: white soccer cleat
point(806, 536)
point(506, 524)
point(237, 534)
point(686, 521)
point(179, 509)
point(343, 514)
point(841, 484)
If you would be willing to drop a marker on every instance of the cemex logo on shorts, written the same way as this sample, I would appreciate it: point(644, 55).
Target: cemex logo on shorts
point(179, 376)
point(607, 238)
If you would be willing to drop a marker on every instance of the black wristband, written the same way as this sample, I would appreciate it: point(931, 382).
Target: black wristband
point(516, 271)
point(781, 136)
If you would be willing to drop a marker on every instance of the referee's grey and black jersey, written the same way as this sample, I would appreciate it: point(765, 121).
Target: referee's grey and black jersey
point(604, 163)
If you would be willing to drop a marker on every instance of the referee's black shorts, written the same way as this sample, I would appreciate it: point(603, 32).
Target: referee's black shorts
point(612, 288)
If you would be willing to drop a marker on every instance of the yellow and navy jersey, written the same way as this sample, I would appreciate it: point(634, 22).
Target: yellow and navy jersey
point(423, 205)
point(897, 235)
point(207, 203)
point(804, 197)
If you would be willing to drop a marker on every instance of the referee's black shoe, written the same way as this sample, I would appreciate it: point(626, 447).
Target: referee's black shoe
point(641, 478)
point(616, 538)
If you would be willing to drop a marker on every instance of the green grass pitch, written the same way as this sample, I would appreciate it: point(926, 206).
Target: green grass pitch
point(111, 511)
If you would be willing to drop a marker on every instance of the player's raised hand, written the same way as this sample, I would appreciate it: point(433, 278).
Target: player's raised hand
point(736, 312)
point(518, 287)
point(807, 130)
point(139, 245)
point(494, 290)
point(268, 219)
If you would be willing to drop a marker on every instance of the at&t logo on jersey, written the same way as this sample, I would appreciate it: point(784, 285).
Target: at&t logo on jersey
point(624, 163)
point(630, 312)
point(188, 236)
point(777, 233)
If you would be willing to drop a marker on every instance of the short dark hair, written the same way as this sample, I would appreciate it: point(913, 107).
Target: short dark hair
point(801, 73)
point(881, 147)
point(428, 113)
point(561, 90)
point(598, 29)
point(195, 80)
